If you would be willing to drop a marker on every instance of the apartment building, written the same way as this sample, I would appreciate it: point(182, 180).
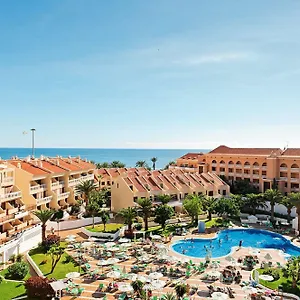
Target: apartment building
point(261, 166)
point(137, 183)
point(37, 184)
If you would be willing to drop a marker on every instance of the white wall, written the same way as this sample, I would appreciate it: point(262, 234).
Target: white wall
point(27, 240)
point(281, 209)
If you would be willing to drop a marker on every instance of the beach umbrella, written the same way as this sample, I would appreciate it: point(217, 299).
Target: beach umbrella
point(125, 287)
point(124, 240)
point(71, 236)
point(113, 260)
point(110, 244)
point(132, 276)
point(113, 274)
point(72, 275)
point(126, 245)
point(103, 263)
point(158, 284)
point(155, 275)
point(141, 278)
point(213, 273)
point(219, 296)
point(86, 244)
point(156, 237)
point(268, 256)
point(249, 289)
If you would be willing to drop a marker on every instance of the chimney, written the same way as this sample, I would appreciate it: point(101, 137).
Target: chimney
point(36, 163)
point(40, 163)
point(57, 162)
point(19, 165)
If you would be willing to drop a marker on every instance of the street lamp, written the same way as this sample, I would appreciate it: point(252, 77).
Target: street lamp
point(32, 141)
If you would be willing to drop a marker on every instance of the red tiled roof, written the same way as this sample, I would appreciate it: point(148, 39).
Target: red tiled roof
point(28, 167)
point(292, 152)
point(64, 163)
point(191, 155)
point(83, 164)
point(51, 167)
point(247, 151)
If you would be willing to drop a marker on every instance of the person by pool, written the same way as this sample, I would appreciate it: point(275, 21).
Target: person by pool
point(220, 242)
point(240, 243)
point(226, 237)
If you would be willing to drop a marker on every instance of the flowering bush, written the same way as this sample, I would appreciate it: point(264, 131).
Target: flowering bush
point(51, 240)
point(38, 288)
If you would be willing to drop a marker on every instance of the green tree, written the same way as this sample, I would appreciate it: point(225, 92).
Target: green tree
point(117, 164)
point(226, 207)
point(128, 215)
point(55, 252)
point(208, 205)
point(286, 201)
point(44, 216)
point(162, 214)
point(17, 271)
point(98, 197)
point(254, 201)
point(168, 296)
point(181, 289)
point(93, 209)
point(243, 187)
point(170, 163)
point(154, 160)
point(145, 205)
point(164, 199)
point(292, 270)
point(137, 286)
point(273, 197)
point(141, 164)
point(84, 188)
point(295, 199)
point(102, 165)
point(104, 215)
point(192, 205)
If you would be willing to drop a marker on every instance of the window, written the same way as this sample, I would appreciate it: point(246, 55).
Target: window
point(117, 185)
point(213, 168)
point(224, 192)
point(210, 193)
point(102, 183)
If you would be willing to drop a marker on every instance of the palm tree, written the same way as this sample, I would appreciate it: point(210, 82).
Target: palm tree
point(102, 165)
point(164, 199)
point(85, 188)
point(287, 202)
point(154, 160)
point(295, 199)
point(162, 214)
point(181, 289)
point(254, 201)
point(93, 209)
point(292, 270)
point(168, 296)
point(128, 215)
point(145, 204)
point(141, 164)
point(117, 164)
point(104, 215)
point(170, 163)
point(208, 205)
point(44, 216)
point(56, 253)
point(274, 197)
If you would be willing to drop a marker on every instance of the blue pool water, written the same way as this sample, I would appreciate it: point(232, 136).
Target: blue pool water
point(230, 238)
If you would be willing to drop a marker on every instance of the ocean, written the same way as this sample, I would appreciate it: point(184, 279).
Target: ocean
point(126, 156)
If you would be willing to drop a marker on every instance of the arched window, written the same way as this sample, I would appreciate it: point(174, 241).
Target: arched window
point(256, 164)
point(231, 162)
point(222, 162)
point(238, 162)
point(246, 163)
point(294, 166)
point(214, 162)
point(264, 164)
point(283, 165)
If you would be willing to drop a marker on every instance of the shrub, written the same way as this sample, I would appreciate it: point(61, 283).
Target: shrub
point(138, 226)
point(68, 258)
point(38, 288)
point(17, 271)
point(19, 257)
point(75, 209)
point(1, 279)
point(51, 240)
point(12, 258)
point(273, 272)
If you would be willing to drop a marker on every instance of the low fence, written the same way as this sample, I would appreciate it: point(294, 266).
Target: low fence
point(108, 236)
point(25, 241)
point(34, 266)
point(72, 224)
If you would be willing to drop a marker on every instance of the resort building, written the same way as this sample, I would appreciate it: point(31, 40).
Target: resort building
point(141, 183)
point(263, 167)
point(34, 184)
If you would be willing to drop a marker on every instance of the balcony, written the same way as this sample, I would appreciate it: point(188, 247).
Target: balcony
point(295, 190)
point(247, 167)
point(230, 165)
point(238, 166)
point(76, 181)
point(246, 175)
point(222, 173)
point(222, 165)
point(283, 178)
point(230, 174)
point(44, 200)
point(295, 170)
point(21, 214)
point(264, 168)
point(283, 169)
point(3, 236)
point(255, 176)
point(37, 188)
point(10, 196)
point(63, 196)
point(6, 218)
point(7, 181)
point(294, 179)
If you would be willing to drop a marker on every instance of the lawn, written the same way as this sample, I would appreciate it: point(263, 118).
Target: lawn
point(110, 228)
point(10, 290)
point(216, 222)
point(62, 268)
point(4, 272)
point(286, 284)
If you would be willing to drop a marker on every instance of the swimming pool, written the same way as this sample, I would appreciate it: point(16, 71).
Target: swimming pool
point(222, 244)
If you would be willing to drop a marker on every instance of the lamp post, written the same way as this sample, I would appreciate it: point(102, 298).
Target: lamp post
point(32, 141)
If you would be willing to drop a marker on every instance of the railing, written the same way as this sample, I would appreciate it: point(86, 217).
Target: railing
point(255, 175)
point(246, 174)
point(222, 165)
point(238, 165)
point(76, 181)
point(255, 167)
point(294, 179)
point(10, 196)
point(246, 166)
point(7, 181)
point(283, 169)
point(230, 165)
point(213, 164)
point(63, 195)
point(7, 217)
point(230, 174)
point(295, 189)
point(283, 178)
point(295, 170)
point(264, 167)
point(21, 214)
point(37, 188)
point(43, 200)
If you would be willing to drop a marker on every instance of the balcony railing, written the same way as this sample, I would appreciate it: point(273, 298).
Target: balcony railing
point(295, 189)
point(294, 179)
point(247, 167)
point(230, 174)
point(255, 167)
point(10, 196)
point(21, 214)
point(295, 170)
point(230, 165)
point(7, 218)
point(222, 165)
point(246, 175)
point(283, 178)
point(43, 200)
point(255, 175)
point(37, 188)
point(213, 164)
point(222, 172)
point(7, 181)
point(238, 165)
point(283, 169)
point(264, 167)
point(76, 181)
point(63, 195)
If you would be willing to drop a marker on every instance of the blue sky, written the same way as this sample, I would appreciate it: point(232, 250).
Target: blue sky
point(150, 74)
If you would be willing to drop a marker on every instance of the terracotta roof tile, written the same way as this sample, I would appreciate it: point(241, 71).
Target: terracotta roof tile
point(246, 151)
point(28, 167)
point(292, 152)
point(64, 163)
point(51, 167)
point(191, 155)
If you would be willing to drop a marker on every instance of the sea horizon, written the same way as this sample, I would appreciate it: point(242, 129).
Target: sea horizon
point(128, 156)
